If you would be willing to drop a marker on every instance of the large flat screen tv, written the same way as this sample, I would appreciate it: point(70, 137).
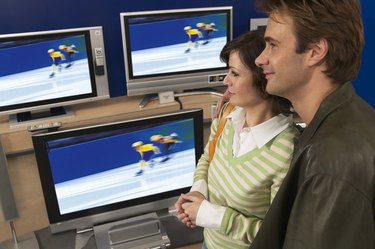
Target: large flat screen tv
point(97, 174)
point(175, 50)
point(43, 72)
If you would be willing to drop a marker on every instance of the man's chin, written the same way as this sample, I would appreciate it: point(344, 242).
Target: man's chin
point(272, 87)
point(270, 90)
point(276, 92)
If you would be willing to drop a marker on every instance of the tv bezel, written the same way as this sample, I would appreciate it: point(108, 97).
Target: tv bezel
point(174, 81)
point(99, 82)
point(85, 219)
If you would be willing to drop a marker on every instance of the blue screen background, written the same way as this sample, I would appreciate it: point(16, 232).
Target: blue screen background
point(17, 57)
point(99, 155)
point(169, 32)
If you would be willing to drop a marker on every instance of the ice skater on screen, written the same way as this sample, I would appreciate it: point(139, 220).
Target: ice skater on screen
point(206, 29)
point(57, 58)
point(167, 144)
point(194, 35)
point(70, 51)
point(147, 153)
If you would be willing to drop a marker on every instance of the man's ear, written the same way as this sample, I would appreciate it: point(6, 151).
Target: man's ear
point(318, 52)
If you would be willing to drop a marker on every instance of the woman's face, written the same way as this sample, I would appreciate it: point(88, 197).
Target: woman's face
point(239, 80)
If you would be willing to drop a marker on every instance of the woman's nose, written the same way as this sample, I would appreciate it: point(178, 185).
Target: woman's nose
point(226, 80)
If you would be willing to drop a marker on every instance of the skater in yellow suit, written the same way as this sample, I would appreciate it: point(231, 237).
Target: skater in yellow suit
point(147, 152)
point(57, 58)
point(194, 35)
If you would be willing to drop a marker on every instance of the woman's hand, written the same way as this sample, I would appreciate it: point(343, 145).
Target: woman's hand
point(187, 207)
point(191, 206)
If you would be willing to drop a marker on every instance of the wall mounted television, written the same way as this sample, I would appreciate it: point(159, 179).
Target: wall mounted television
point(90, 175)
point(159, 56)
point(49, 70)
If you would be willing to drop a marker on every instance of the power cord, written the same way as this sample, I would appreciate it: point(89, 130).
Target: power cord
point(179, 101)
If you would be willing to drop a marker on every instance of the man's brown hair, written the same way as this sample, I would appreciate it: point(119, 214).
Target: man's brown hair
point(337, 21)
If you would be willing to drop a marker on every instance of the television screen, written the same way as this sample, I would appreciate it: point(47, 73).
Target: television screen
point(174, 50)
point(97, 169)
point(50, 68)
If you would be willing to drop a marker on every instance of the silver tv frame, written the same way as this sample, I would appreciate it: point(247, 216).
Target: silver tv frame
point(179, 81)
point(98, 70)
point(84, 220)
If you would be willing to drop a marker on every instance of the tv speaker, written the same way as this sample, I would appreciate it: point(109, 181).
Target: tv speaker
point(8, 207)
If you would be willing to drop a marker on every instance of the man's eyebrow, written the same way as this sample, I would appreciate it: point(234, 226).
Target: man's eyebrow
point(269, 39)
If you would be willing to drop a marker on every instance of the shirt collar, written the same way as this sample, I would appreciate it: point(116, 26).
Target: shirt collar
point(264, 132)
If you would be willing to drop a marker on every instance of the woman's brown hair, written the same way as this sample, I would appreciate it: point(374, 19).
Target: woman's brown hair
point(249, 46)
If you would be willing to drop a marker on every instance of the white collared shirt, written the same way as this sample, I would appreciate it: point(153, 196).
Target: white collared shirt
point(248, 138)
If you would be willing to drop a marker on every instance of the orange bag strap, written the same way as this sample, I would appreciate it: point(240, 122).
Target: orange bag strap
point(220, 127)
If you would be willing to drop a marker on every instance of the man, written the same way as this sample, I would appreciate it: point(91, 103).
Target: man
point(206, 30)
point(70, 51)
point(147, 153)
point(57, 58)
point(327, 199)
point(167, 143)
point(194, 35)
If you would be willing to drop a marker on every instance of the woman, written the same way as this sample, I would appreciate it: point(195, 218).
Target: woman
point(232, 193)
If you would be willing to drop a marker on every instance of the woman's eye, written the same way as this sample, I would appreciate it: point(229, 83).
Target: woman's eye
point(234, 74)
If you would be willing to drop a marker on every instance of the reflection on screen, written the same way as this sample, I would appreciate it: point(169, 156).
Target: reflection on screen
point(42, 69)
point(176, 43)
point(109, 167)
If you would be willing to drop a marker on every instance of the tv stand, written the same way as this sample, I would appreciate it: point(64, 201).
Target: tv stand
point(42, 115)
point(54, 111)
point(150, 97)
point(147, 99)
point(144, 231)
point(26, 241)
point(82, 239)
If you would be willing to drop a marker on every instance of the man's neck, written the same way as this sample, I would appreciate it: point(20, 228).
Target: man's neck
point(307, 103)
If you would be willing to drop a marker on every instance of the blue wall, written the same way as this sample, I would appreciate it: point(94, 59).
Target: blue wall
point(35, 15)
point(365, 82)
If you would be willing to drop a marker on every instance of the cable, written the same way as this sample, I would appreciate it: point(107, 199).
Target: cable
point(179, 101)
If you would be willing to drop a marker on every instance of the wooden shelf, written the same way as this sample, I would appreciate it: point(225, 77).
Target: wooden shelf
point(23, 171)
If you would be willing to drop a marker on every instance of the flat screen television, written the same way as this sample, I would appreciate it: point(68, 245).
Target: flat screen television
point(93, 175)
point(175, 50)
point(43, 72)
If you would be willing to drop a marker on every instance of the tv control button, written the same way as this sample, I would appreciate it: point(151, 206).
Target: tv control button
point(46, 126)
point(98, 52)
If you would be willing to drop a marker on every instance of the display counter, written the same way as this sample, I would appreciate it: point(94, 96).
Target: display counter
point(23, 171)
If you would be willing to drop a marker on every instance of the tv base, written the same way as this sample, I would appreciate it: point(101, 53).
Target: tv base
point(147, 99)
point(44, 116)
point(144, 231)
point(81, 239)
point(27, 241)
point(150, 97)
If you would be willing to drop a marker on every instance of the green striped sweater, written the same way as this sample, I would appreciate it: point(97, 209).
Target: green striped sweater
point(244, 185)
